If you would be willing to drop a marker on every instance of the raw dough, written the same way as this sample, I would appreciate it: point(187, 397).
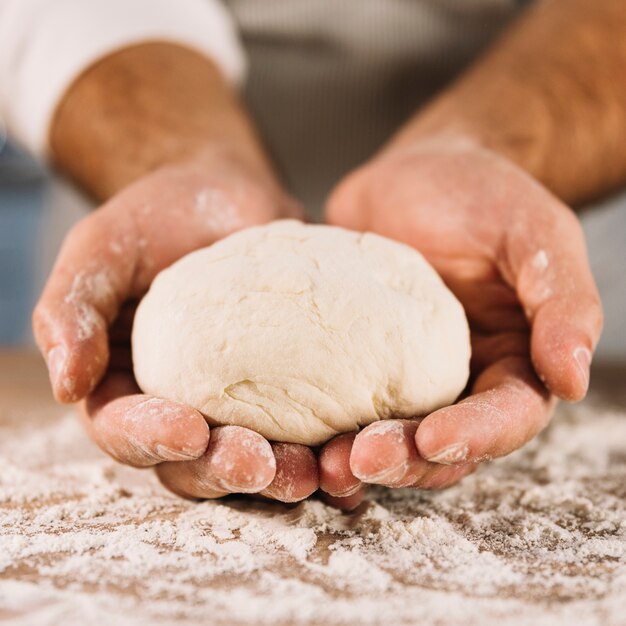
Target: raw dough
point(301, 332)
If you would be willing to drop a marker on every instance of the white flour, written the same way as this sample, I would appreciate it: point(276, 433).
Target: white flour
point(537, 538)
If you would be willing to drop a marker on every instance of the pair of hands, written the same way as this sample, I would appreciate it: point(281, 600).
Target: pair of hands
point(511, 252)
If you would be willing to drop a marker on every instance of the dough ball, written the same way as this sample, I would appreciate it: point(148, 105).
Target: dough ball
point(301, 332)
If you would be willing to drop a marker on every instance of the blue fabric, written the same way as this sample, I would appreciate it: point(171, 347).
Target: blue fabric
point(21, 196)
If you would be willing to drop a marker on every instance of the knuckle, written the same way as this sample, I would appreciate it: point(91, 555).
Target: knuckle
point(592, 305)
point(568, 223)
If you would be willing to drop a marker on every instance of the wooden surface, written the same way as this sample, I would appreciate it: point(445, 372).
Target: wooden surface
point(538, 537)
point(24, 384)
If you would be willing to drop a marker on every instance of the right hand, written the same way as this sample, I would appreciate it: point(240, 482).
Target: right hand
point(515, 257)
point(83, 320)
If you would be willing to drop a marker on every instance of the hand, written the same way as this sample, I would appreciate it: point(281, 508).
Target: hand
point(515, 257)
point(83, 320)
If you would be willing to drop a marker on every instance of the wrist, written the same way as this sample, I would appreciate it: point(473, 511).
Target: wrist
point(456, 118)
point(234, 162)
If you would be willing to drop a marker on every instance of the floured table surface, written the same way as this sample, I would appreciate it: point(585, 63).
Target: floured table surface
point(539, 537)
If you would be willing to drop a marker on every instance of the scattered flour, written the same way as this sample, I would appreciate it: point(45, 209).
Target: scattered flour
point(540, 260)
point(539, 537)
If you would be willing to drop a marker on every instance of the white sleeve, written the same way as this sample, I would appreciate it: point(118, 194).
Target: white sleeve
point(46, 44)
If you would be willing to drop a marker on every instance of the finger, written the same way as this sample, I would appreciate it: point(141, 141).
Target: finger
point(296, 473)
point(336, 478)
point(141, 430)
point(347, 503)
point(549, 268)
point(565, 333)
point(237, 460)
point(508, 407)
point(91, 277)
point(385, 453)
point(443, 476)
point(419, 473)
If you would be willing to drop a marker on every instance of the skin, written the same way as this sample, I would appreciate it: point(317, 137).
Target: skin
point(166, 198)
point(462, 183)
point(455, 183)
point(515, 257)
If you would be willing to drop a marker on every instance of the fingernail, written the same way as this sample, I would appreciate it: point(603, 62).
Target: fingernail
point(169, 454)
point(456, 453)
point(56, 364)
point(583, 360)
point(387, 475)
point(242, 488)
point(350, 491)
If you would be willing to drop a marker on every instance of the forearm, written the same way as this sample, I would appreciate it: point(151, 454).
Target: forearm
point(550, 96)
point(146, 106)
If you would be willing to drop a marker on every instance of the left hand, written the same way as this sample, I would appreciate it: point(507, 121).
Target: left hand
point(515, 257)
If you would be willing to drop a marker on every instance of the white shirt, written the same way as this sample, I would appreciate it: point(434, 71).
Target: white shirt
point(45, 45)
